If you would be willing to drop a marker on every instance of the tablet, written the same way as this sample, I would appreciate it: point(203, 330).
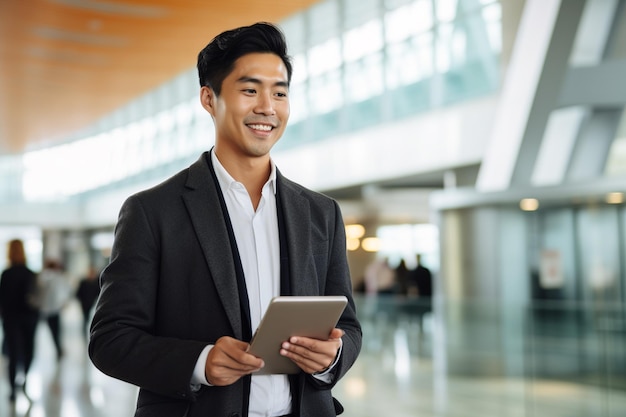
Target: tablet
point(286, 316)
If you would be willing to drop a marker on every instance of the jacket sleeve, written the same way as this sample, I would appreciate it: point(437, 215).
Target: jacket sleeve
point(123, 343)
point(338, 282)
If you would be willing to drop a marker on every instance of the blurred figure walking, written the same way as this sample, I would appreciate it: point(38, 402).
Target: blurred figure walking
point(18, 295)
point(420, 280)
point(55, 292)
point(87, 294)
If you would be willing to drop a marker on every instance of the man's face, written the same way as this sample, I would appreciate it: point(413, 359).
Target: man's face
point(252, 109)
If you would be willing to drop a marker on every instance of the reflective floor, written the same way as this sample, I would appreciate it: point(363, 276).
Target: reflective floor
point(394, 376)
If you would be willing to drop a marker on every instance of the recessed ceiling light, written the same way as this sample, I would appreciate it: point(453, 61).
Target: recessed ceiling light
point(614, 198)
point(371, 244)
point(529, 204)
point(355, 231)
point(353, 244)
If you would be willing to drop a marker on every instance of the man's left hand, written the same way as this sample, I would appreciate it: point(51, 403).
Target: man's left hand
point(313, 355)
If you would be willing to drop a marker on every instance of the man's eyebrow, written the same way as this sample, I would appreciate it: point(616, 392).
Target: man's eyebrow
point(246, 79)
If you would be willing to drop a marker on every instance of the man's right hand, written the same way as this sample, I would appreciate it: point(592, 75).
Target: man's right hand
point(229, 360)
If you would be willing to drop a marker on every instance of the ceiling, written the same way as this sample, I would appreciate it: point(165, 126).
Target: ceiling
point(64, 64)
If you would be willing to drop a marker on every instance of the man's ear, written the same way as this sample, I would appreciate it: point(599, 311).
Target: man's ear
point(207, 98)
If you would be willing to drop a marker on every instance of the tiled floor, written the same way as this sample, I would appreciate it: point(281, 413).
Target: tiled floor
point(394, 376)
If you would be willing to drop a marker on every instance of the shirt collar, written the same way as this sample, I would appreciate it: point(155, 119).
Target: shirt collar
point(227, 181)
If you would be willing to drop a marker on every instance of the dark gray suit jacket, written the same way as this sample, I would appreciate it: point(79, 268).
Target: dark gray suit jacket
point(170, 289)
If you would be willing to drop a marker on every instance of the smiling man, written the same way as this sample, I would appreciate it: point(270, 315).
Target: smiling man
point(197, 259)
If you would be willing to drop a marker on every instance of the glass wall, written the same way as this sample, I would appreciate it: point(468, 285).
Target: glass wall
point(385, 60)
point(356, 64)
point(530, 309)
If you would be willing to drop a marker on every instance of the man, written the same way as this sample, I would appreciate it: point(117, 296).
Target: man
point(197, 259)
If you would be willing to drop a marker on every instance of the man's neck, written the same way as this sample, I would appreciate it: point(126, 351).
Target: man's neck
point(252, 172)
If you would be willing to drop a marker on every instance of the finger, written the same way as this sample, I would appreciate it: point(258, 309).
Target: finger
point(307, 359)
point(306, 364)
point(327, 347)
point(237, 351)
point(238, 361)
point(226, 373)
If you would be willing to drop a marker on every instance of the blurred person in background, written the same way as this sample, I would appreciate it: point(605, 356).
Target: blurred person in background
point(420, 280)
point(55, 292)
point(197, 259)
point(380, 278)
point(87, 294)
point(402, 276)
point(18, 307)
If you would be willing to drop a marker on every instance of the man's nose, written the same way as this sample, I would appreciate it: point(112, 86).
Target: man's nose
point(265, 104)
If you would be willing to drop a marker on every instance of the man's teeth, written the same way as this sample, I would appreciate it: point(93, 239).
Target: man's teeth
point(265, 128)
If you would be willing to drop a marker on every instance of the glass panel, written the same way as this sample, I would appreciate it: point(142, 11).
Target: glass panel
point(408, 20)
point(402, 65)
point(323, 22)
point(458, 45)
point(599, 254)
point(299, 107)
point(616, 161)
point(364, 79)
point(300, 73)
point(324, 57)
point(556, 254)
point(11, 172)
point(395, 4)
point(357, 12)
point(424, 47)
point(326, 92)
point(295, 33)
point(126, 158)
point(362, 40)
point(444, 48)
point(445, 10)
point(492, 15)
point(622, 255)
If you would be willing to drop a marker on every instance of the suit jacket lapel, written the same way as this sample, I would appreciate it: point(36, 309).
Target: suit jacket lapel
point(297, 217)
point(206, 215)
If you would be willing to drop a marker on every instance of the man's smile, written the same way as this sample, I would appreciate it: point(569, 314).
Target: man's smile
point(265, 128)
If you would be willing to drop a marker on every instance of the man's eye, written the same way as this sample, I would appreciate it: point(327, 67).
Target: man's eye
point(249, 91)
point(281, 94)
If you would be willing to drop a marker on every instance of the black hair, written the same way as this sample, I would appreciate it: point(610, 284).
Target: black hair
point(217, 59)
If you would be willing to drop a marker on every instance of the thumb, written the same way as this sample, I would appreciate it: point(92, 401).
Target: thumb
point(336, 334)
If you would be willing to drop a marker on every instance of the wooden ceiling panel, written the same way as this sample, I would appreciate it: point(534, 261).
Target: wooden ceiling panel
point(64, 64)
